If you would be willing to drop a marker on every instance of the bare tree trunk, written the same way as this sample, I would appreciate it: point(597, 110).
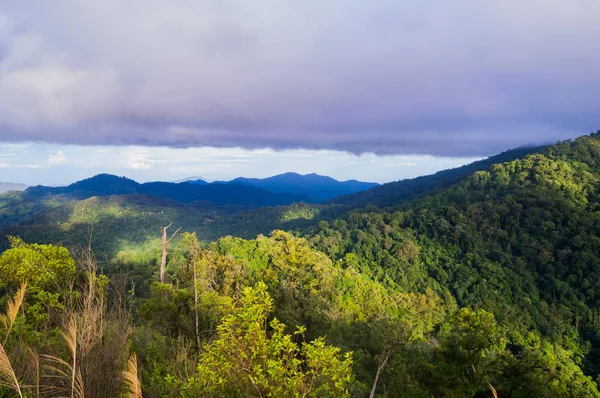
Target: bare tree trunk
point(196, 307)
point(165, 242)
point(382, 364)
point(163, 261)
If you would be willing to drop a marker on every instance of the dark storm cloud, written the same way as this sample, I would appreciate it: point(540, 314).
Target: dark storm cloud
point(437, 77)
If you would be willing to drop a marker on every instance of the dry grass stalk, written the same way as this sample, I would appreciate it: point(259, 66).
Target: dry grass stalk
point(35, 359)
point(70, 336)
point(92, 308)
point(8, 378)
point(131, 379)
point(72, 374)
point(12, 310)
point(494, 392)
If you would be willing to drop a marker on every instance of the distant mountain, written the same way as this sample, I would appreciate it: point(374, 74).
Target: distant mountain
point(11, 186)
point(195, 180)
point(217, 194)
point(397, 192)
point(318, 188)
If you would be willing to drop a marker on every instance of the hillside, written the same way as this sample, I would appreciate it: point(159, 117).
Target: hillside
point(219, 195)
point(487, 284)
point(129, 222)
point(110, 221)
point(396, 192)
point(54, 215)
point(318, 188)
point(520, 240)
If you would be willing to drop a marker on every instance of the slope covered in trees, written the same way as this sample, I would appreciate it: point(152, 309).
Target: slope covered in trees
point(216, 194)
point(486, 286)
point(264, 317)
point(520, 240)
point(318, 188)
point(396, 192)
point(128, 226)
point(120, 217)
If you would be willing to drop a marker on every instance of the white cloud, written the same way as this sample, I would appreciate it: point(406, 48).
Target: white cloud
point(58, 158)
point(141, 159)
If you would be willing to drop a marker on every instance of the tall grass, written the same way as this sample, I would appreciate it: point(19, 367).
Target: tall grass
point(67, 373)
point(8, 377)
point(131, 379)
point(91, 349)
point(35, 360)
point(12, 310)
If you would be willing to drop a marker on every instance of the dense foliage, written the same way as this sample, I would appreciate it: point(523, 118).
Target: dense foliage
point(125, 228)
point(520, 240)
point(486, 286)
point(392, 193)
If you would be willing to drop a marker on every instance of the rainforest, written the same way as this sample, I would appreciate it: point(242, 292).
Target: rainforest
point(479, 281)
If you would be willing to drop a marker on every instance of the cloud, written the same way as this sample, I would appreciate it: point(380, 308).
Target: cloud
point(428, 77)
point(141, 159)
point(58, 158)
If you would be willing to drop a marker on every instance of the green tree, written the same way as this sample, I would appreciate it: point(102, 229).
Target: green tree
point(45, 267)
point(255, 358)
point(473, 351)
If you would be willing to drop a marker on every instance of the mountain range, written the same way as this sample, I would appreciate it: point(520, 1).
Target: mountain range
point(317, 187)
point(217, 194)
point(278, 190)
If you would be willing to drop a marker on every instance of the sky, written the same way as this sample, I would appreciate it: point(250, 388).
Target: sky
point(377, 90)
point(53, 164)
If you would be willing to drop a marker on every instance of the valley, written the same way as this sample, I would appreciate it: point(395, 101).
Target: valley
point(484, 276)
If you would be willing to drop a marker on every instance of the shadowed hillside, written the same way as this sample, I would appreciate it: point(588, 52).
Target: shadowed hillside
point(318, 188)
point(393, 193)
point(219, 195)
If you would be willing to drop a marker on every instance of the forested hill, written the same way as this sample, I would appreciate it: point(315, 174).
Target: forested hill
point(520, 240)
point(234, 194)
point(486, 287)
point(319, 188)
point(396, 192)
